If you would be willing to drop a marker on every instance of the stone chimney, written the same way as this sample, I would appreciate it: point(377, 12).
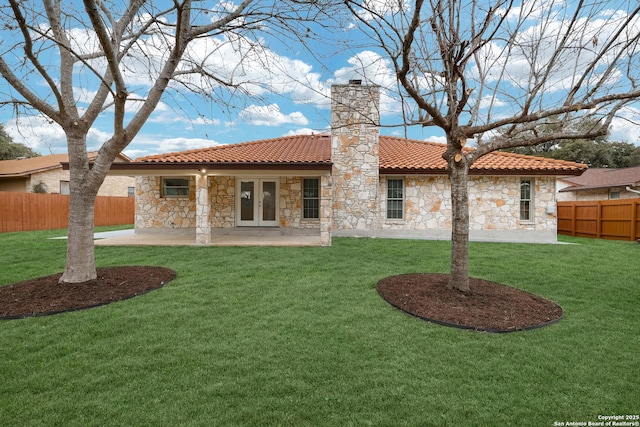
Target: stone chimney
point(355, 123)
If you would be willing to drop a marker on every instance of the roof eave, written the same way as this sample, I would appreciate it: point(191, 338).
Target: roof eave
point(598, 187)
point(213, 166)
point(480, 172)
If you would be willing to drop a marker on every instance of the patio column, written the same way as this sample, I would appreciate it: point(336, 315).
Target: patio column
point(203, 209)
point(326, 210)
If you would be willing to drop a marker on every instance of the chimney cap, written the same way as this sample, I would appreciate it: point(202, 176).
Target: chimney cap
point(355, 82)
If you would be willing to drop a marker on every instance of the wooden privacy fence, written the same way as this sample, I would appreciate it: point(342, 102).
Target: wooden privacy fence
point(603, 219)
point(32, 211)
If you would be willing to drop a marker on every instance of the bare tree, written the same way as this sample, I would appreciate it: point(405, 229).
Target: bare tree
point(75, 61)
point(496, 72)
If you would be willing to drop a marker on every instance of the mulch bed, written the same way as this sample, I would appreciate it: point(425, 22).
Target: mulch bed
point(45, 296)
point(489, 306)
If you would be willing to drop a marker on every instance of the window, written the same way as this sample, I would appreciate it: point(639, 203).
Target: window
point(131, 191)
point(311, 198)
point(614, 195)
point(64, 187)
point(175, 187)
point(395, 198)
point(526, 200)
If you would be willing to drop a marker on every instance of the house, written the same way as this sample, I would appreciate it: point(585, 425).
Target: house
point(351, 182)
point(601, 184)
point(45, 174)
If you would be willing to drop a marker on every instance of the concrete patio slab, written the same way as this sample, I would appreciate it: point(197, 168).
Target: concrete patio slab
point(174, 239)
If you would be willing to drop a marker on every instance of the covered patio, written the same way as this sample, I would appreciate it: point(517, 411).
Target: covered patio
point(244, 238)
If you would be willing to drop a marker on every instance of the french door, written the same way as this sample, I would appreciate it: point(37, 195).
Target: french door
point(257, 202)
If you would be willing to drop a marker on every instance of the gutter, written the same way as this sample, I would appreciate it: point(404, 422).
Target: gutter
point(632, 190)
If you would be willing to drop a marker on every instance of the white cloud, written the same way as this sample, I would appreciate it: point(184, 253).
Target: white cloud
point(302, 131)
point(38, 133)
point(46, 137)
point(532, 9)
point(372, 68)
point(270, 115)
point(626, 126)
point(182, 144)
point(489, 101)
point(437, 139)
point(369, 66)
point(371, 9)
point(149, 144)
point(541, 34)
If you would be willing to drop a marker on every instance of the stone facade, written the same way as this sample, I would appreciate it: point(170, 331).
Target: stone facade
point(494, 204)
point(156, 212)
point(353, 198)
point(222, 194)
point(291, 204)
point(355, 147)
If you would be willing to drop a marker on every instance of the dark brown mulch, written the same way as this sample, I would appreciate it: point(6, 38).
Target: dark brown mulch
point(489, 306)
point(44, 295)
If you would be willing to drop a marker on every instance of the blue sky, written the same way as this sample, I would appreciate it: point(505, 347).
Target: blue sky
point(289, 96)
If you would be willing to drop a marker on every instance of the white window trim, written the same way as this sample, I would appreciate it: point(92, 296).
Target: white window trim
point(64, 187)
point(386, 201)
point(302, 217)
point(532, 183)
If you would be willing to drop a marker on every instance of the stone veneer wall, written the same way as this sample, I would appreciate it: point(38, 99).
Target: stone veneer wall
point(154, 211)
point(222, 195)
point(355, 118)
point(291, 204)
point(494, 204)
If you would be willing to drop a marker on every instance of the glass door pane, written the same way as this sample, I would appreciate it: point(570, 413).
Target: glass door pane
point(268, 201)
point(247, 199)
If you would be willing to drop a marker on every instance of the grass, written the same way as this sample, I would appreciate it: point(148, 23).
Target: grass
point(299, 337)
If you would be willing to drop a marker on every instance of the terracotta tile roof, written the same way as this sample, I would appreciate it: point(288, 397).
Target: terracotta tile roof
point(604, 178)
point(397, 155)
point(299, 149)
point(25, 167)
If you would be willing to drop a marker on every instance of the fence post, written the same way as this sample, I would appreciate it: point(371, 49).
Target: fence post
point(574, 210)
point(634, 220)
point(599, 219)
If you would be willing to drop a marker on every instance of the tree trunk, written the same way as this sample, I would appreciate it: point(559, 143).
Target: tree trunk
point(458, 174)
point(83, 188)
point(81, 265)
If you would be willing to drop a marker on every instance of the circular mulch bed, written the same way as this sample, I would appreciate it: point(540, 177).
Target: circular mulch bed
point(488, 307)
point(44, 296)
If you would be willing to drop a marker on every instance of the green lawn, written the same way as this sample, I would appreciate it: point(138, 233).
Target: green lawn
point(299, 337)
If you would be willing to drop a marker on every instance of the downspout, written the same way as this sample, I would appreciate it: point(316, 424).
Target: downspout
point(632, 190)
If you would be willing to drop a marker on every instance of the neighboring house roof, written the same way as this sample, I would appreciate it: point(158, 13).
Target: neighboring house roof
point(397, 156)
point(31, 165)
point(603, 178)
